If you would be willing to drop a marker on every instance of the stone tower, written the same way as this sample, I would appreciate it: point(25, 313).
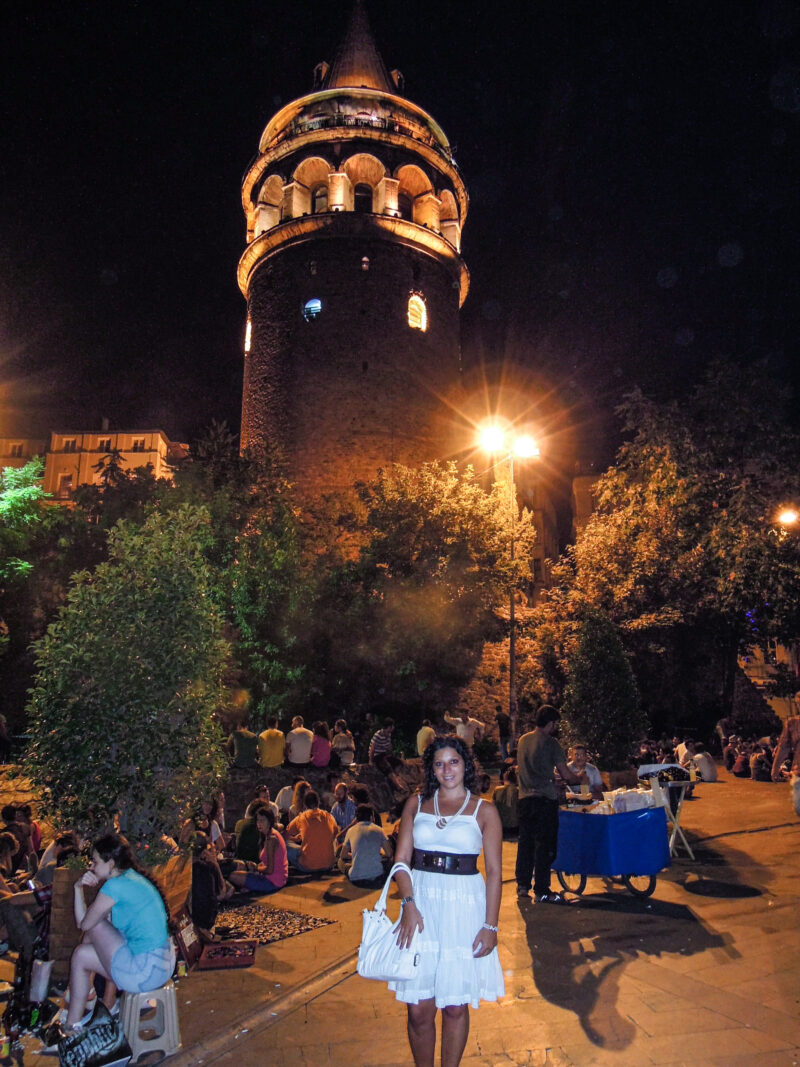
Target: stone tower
point(353, 277)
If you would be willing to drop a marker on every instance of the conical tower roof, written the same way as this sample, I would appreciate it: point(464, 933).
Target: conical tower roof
point(358, 63)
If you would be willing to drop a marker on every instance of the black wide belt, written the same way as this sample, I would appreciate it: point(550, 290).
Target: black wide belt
point(444, 862)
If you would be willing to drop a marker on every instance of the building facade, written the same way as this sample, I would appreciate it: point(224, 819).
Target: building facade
point(76, 458)
point(353, 277)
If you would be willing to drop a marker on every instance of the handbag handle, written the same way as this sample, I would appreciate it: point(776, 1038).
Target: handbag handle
point(380, 903)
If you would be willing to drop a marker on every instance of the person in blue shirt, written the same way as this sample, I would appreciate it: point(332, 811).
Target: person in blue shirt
point(125, 935)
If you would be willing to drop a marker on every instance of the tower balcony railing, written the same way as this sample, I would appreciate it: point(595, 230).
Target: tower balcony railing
point(420, 133)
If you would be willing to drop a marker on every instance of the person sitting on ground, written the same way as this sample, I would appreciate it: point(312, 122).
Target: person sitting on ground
point(381, 755)
point(363, 846)
point(741, 765)
point(310, 837)
point(18, 908)
point(682, 750)
point(343, 809)
point(730, 752)
point(343, 745)
point(425, 735)
point(506, 799)
point(8, 849)
point(125, 936)
point(467, 728)
point(761, 764)
point(285, 796)
point(208, 885)
point(242, 747)
point(25, 817)
point(298, 798)
point(578, 763)
point(271, 744)
point(272, 872)
point(321, 745)
point(64, 846)
point(203, 820)
point(703, 763)
point(298, 744)
point(21, 834)
point(248, 837)
point(262, 794)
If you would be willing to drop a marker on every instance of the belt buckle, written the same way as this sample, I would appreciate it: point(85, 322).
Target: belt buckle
point(440, 863)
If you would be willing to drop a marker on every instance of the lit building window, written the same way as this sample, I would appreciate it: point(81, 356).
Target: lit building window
point(64, 486)
point(365, 262)
point(16, 449)
point(69, 444)
point(248, 336)
point(138, 444)
point(312, 309)
point(417, 312)
point(104, 444)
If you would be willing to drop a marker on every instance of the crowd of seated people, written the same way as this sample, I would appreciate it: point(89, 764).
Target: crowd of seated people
point(297, 747)
point(750, 759)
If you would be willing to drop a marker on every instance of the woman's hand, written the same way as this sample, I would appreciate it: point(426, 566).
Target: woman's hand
point(90, 879)
point(410, 922)
point(485, 941)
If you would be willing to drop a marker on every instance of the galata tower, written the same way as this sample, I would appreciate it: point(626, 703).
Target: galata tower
point(353, 277)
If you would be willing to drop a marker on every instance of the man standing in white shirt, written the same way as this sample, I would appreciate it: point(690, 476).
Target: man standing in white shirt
point(466, 728)
point(298, 744)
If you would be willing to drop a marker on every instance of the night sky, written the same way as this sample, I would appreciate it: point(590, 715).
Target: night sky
point(633, 173)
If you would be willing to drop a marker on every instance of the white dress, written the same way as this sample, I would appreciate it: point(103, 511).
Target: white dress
point(453, 909)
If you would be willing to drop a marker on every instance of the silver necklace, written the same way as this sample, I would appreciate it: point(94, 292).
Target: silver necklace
point(443, 820)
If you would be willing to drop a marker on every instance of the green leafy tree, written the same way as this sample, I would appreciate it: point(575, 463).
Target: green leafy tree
point(128, 679)
point(683, 552)
point(402, 624)
point(601, 700)
point(22, 510)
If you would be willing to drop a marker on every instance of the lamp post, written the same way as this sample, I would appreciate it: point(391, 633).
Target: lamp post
point(494, 439)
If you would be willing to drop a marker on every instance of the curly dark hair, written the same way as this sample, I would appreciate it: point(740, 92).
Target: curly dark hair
point(430, 785)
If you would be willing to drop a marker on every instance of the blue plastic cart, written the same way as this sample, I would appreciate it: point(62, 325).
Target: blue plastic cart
point(633, 846)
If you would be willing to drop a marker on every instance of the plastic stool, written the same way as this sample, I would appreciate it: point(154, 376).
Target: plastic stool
point(150, 1021)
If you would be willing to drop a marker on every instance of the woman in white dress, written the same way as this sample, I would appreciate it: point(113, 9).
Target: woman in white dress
point(442, 833)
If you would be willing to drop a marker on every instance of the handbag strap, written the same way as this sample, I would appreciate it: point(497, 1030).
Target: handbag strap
point(380, 903)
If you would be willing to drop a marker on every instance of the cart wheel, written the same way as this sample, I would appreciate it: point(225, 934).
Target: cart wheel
point(572, 883)
point(641, 885)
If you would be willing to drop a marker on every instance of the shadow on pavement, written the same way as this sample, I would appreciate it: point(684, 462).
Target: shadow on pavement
point(579, 953)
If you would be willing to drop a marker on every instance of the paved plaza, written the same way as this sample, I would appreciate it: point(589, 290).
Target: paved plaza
point(707, 971)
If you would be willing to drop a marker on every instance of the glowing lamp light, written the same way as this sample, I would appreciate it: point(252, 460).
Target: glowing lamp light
point(525, 447)
point(788, 517)
point(492, 438)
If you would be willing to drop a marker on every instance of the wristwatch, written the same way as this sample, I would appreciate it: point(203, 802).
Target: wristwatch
point(406, 900)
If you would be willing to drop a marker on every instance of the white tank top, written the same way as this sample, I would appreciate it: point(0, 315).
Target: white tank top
point(462, 836)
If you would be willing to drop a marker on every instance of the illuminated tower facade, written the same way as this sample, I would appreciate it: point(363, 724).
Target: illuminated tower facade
point(353, 277)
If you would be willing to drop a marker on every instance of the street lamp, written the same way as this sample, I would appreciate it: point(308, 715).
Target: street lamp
point(788, 516)
point(495, 439)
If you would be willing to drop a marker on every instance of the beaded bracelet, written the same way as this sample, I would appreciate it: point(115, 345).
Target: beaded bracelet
point(488, 926)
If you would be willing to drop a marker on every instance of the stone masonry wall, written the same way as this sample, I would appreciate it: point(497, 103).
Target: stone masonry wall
point(356, 388)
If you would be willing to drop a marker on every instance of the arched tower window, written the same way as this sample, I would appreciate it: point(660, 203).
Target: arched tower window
point(319, 199)
point(417, 312)
point(362, 198)
point(405, 206)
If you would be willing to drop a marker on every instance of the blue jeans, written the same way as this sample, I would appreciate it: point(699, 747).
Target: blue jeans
point(538, 842)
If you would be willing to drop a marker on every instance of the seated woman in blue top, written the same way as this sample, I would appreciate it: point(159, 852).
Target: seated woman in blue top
point(125, 934)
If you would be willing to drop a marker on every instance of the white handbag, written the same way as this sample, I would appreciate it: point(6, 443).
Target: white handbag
point(379, 956)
